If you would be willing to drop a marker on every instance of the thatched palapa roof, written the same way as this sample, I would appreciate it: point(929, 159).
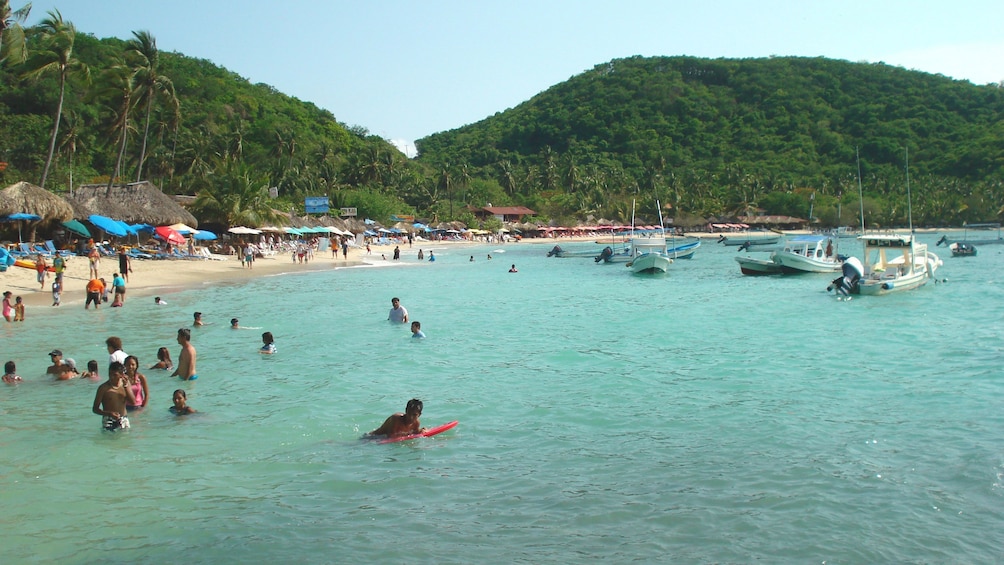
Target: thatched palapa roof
point(31, 199)
point(136, 202)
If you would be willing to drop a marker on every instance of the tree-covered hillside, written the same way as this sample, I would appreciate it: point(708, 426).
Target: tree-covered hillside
point(719, 137)
point(129, 111)
point(705, 137)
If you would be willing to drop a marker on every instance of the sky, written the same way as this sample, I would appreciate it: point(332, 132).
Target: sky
point(407, 69)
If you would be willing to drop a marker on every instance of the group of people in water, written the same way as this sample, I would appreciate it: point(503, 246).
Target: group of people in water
point(127, 389)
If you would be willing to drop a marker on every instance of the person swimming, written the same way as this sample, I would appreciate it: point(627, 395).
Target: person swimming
point(402, 424)
point(269, 343)
point(181, 407)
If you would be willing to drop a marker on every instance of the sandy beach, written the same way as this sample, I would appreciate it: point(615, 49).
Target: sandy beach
point(151, 277)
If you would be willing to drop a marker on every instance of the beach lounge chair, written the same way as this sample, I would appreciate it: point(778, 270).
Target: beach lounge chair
point(50, 247)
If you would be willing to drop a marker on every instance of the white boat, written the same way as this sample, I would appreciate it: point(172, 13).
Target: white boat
point(750, 239)
point(649, 255)
point(808, 254)
point(756, 266)
point(558, 251)
point(894, 262)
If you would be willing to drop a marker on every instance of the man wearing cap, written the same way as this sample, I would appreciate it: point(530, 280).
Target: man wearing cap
point(60, 368)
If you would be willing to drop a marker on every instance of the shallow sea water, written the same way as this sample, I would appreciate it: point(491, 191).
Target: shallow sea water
point(698, 417)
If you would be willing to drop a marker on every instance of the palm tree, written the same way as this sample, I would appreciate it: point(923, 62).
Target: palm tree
point(239, 196)
point(70, 141)
point(118, 88)
point(150, 84)
point(56, 57)
point(11, 32)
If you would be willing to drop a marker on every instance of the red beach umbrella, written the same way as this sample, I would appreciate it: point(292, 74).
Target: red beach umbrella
point(169, 235)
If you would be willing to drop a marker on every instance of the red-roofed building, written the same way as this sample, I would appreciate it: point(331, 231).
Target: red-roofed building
point(503, 213)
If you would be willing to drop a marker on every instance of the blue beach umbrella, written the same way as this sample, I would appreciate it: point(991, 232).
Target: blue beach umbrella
point(204, 235)
point(108, 225)
point(20, 217)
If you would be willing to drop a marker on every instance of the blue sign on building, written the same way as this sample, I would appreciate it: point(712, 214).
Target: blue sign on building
point(316, 204)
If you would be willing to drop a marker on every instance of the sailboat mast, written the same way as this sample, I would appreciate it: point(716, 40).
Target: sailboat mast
point(909, 201)
point(861, 195)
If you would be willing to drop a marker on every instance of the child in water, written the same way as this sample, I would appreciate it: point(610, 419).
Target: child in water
point(181, 406)
point(269, 347)
point(10, 373)
point(18, 310)
point(92, 371)
point(163, 359)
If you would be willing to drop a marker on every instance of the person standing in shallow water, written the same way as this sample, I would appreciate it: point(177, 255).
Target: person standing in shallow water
point(398, 314)
point(186, 359)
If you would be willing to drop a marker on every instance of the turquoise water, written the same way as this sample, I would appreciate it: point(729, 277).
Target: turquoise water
point(698, 417)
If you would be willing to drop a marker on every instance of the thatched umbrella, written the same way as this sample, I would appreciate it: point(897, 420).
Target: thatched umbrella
point(31, 199)
point(136, 202)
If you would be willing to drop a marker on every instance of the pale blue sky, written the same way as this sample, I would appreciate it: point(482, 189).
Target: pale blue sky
point(405, 70)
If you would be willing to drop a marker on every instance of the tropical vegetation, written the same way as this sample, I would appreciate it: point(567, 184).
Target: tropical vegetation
point(707, 138)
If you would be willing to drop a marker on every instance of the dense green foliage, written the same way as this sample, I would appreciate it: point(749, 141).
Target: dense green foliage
point(206, 130)
point(706, 137)
point(725, 136)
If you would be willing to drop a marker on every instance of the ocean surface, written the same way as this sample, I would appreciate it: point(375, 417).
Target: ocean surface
point(698, 417)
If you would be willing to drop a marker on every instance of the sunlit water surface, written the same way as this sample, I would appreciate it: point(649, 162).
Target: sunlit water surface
point(698, 417)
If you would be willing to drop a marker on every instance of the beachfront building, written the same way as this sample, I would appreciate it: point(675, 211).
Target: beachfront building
point(505, 214)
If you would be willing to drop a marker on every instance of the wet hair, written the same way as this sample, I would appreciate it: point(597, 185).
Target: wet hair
point(9, 367)
point(163, 354)
point(186, 333)
point(115, 367)
point(233, 321)
point(114, 342)
point(92, 365)
point(17, 300)
point(197, 315)
point(415, 404)
point(134, 358)
point(267, 337)
point(395, 299)
point(182, 391)
point(416, 324)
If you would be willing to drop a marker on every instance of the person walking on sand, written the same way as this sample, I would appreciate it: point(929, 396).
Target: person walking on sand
point(93, 261)
point(186, 359)
point(59, 266)
point(125, 263)
point(41, 267)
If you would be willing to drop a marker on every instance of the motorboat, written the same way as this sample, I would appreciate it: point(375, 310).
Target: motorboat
point(750, 239)
point(558, 251)
point(756, 266)
point(649, 255)
point(894, 262)
point(962, 249)
point(975, 240)
point(808, 254)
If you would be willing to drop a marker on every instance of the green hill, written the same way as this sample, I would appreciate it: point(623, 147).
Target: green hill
point(724, 136)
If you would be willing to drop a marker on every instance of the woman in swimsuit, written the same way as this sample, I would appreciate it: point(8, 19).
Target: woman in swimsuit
point(137, 382)
point(163, 359)
point(181, 406)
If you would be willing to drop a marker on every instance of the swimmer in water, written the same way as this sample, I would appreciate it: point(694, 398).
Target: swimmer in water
point(181, 406)
point(402, 424)
point(269, 343)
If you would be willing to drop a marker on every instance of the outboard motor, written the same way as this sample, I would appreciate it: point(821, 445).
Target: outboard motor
point(847, 284)
point(604, 255)
point(554, 251)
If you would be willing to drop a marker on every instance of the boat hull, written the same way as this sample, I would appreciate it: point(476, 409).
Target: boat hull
point(650, 263)
point(753, 266)
point(795, 264)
